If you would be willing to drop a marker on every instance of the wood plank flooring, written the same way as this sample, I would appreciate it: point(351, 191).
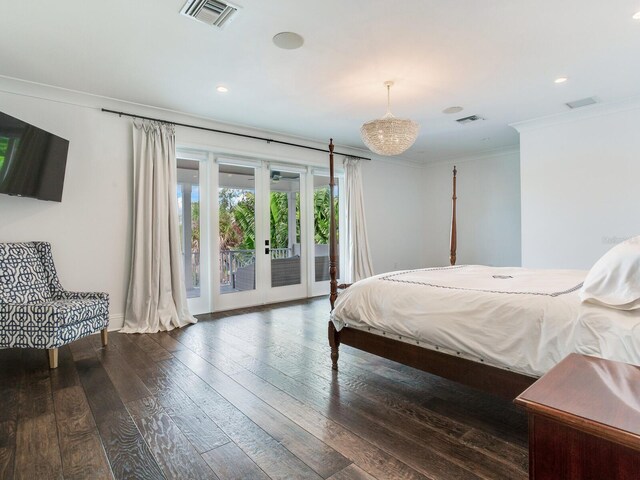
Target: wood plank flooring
point(247, 394)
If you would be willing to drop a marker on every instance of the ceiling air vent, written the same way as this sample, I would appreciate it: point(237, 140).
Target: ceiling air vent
point(470, 119)
point(211, 12)
point(581, 103)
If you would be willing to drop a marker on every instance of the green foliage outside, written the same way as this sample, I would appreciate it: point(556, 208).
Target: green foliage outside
point(322, 215)
point(4, 145)
point(195, 227)
point(232, 235)
point(237, 218)
point(278, 211)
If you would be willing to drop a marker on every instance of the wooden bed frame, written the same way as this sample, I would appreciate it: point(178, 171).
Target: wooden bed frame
point(478, 375)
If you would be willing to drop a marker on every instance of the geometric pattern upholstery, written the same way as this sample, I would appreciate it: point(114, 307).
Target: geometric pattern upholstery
point(41, 314)
point(22, 278)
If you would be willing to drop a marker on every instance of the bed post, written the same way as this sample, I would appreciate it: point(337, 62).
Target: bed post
point(454, 232)
point(334, 343)
point(333, 271)
point(334, 336)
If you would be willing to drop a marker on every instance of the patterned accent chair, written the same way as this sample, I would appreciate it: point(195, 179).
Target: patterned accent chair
point(35, 311)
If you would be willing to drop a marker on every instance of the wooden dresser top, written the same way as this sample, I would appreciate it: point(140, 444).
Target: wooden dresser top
point(599, 396)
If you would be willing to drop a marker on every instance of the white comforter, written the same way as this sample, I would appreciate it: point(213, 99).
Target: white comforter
point(608, 333)
point(513, 318)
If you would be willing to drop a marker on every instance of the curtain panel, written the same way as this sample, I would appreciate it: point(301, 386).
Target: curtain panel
point(358, 262)
point(157, 297)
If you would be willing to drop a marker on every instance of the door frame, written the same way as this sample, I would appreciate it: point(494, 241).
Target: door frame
point(202, 304)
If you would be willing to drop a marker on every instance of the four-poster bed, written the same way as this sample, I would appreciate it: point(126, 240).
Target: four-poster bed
point(453, 367)
point(492, 328)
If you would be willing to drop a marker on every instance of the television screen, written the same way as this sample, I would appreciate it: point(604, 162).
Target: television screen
point(32, 161)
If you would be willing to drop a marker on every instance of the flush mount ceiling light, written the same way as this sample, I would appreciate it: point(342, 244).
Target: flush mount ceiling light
point(222, 89)
point(636, 16)
point(389, 135)
point(288, 40)
point(561, 80)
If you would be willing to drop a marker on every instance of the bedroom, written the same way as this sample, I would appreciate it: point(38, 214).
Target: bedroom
point(540, 185)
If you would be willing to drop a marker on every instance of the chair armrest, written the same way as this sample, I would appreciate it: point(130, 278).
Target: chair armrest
point(65, 295)
point(46, 310)
point(30, 309)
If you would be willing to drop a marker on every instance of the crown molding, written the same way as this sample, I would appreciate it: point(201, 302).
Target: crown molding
point(509, 150)
point(41, 91)
point(404, 161)
point(592, 111)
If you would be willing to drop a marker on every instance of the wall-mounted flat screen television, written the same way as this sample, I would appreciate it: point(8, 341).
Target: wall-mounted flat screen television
point(32, 161)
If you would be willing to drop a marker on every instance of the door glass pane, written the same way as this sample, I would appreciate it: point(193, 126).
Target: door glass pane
point(321, 225)
point(284, 208)
point(237, 204)
point(189, 219)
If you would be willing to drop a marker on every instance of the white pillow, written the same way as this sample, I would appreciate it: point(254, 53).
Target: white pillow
point(614, 280)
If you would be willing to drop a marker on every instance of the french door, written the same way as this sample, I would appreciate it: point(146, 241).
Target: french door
point(262, 231)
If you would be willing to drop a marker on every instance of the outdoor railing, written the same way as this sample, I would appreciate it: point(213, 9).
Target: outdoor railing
point(280, 253)
point(232, 260)
point(195, 268)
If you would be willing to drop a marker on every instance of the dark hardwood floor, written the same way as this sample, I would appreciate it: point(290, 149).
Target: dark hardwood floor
point(246, 395)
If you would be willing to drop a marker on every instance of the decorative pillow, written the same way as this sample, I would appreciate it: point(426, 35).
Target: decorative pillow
point(614, 280)
point(22, 276)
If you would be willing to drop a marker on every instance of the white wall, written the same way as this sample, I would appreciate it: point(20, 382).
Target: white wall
point(488, 210)
point(90, 230)
point(394, 201)
point(580, 185)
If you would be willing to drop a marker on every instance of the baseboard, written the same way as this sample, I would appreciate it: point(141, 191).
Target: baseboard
point(116, 322)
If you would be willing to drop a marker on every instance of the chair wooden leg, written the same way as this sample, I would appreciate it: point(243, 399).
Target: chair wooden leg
point(105, 338)
point(53, 358)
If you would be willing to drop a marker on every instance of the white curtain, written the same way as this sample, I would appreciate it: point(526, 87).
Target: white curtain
point(358, 262)
point(157, 298)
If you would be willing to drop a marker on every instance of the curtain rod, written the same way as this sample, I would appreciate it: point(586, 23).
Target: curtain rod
point(225, 132)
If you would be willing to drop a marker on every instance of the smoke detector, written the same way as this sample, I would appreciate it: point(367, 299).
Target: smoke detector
point(211, 12)
point(451, 110)
point(288, 40)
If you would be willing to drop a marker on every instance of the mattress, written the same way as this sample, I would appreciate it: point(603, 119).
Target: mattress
point(518, 319)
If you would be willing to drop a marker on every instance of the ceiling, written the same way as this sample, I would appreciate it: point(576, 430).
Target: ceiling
point(496, 58)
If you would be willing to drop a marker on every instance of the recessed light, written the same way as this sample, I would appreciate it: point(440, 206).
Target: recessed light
point(288, 40)
point(452, 110)
point(222, 89)
point(636, 16)
point(561, 79)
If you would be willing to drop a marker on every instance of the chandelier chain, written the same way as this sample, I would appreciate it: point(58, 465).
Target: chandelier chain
point(388, 98)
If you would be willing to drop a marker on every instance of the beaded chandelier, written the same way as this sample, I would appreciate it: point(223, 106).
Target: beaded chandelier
point(389, 135)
